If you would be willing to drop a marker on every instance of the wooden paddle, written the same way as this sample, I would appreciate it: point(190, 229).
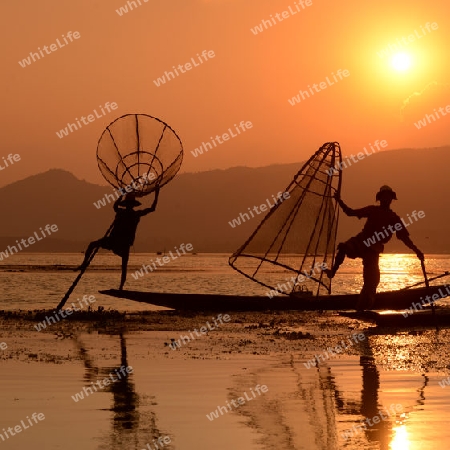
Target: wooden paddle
point(427, 285)
point(78, 278)
point(445, 274)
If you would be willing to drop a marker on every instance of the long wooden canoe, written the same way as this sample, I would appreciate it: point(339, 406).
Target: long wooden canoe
point(396, 300)
point(400, 319)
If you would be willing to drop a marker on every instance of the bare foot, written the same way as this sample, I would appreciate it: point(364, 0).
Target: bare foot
point(329, 273)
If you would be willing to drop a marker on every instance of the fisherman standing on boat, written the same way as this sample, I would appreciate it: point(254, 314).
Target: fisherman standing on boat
point(369, 243)
point(123, 231)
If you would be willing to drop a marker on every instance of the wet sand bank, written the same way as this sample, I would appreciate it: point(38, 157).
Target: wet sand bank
point(171, 391)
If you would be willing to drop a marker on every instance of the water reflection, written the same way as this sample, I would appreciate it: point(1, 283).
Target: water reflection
point(133, 423)
point(386, 426)
point(400, 439)
point(398, 271)
point(376, 417)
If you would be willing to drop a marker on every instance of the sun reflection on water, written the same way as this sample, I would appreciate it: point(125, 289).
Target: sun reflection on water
point(400, 440)
point(398, 271)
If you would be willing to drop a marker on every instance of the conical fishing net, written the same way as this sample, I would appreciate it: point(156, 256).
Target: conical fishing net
point(295, 241)
point(141, 149)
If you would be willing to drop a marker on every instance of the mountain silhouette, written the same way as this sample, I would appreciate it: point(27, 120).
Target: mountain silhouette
point(196, 208)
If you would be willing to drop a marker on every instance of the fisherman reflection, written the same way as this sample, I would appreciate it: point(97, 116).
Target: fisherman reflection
point(377, 422)
point(369, 243)
point(133, 424)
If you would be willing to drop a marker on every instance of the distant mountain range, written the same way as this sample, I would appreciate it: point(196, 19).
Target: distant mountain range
point(196, 208)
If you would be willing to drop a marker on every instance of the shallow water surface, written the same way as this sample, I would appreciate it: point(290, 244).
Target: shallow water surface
point(167, 395)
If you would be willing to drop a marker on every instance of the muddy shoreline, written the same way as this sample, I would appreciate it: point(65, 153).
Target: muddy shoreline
point(303, 334)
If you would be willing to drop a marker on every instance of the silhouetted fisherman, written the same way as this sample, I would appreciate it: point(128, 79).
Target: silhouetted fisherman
point(381, 224)
point(123, 231)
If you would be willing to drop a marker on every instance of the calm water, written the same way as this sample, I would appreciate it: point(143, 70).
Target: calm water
point(169, 393)
point(40, 286)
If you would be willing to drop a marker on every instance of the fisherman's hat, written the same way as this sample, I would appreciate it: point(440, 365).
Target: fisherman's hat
point(386, 191)
point(130, 200)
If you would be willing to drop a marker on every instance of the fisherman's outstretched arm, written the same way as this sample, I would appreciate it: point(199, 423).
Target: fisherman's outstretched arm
point(347, 210)
point(410, 244)
point(153, 207)
point(116, 204)
point(359, 213)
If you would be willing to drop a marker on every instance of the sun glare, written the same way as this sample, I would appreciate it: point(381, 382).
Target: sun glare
point(401, 62)
point(400, 440)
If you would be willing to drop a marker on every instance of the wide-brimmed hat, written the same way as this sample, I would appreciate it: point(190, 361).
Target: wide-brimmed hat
point(130, 200)
point(386, 191)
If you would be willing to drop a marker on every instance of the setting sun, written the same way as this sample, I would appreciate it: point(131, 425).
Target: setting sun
point(401, 61)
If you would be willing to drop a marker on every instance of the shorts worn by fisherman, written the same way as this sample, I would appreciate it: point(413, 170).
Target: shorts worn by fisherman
point(379, 228)
point(355, 248)
point(123, 231)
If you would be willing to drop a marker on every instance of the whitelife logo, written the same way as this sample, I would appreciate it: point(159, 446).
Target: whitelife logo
point(355, 429)
point(281, 196)
point(162, 261)
point(360, 155)
point(11, 158)
point(135, 185)
point(318, 87)
point(125, 371)
point(435, 116)
point(53, 47)
point(130, 4)
point(64, 313)
point(90, 118)
point(22, 426)
point(203, 330)
point(31, 240)
point(294, 281)
point(201, 59)
point(300, 5)
point(380, 236)
point(403, 41)
point(225, 137)
point(240, 401)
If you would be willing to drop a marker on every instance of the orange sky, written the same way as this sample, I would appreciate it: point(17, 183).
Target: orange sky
point(251, 78)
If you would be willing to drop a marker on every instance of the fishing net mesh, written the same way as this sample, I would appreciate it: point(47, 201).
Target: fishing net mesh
point(296, 240)
point(139, 149)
